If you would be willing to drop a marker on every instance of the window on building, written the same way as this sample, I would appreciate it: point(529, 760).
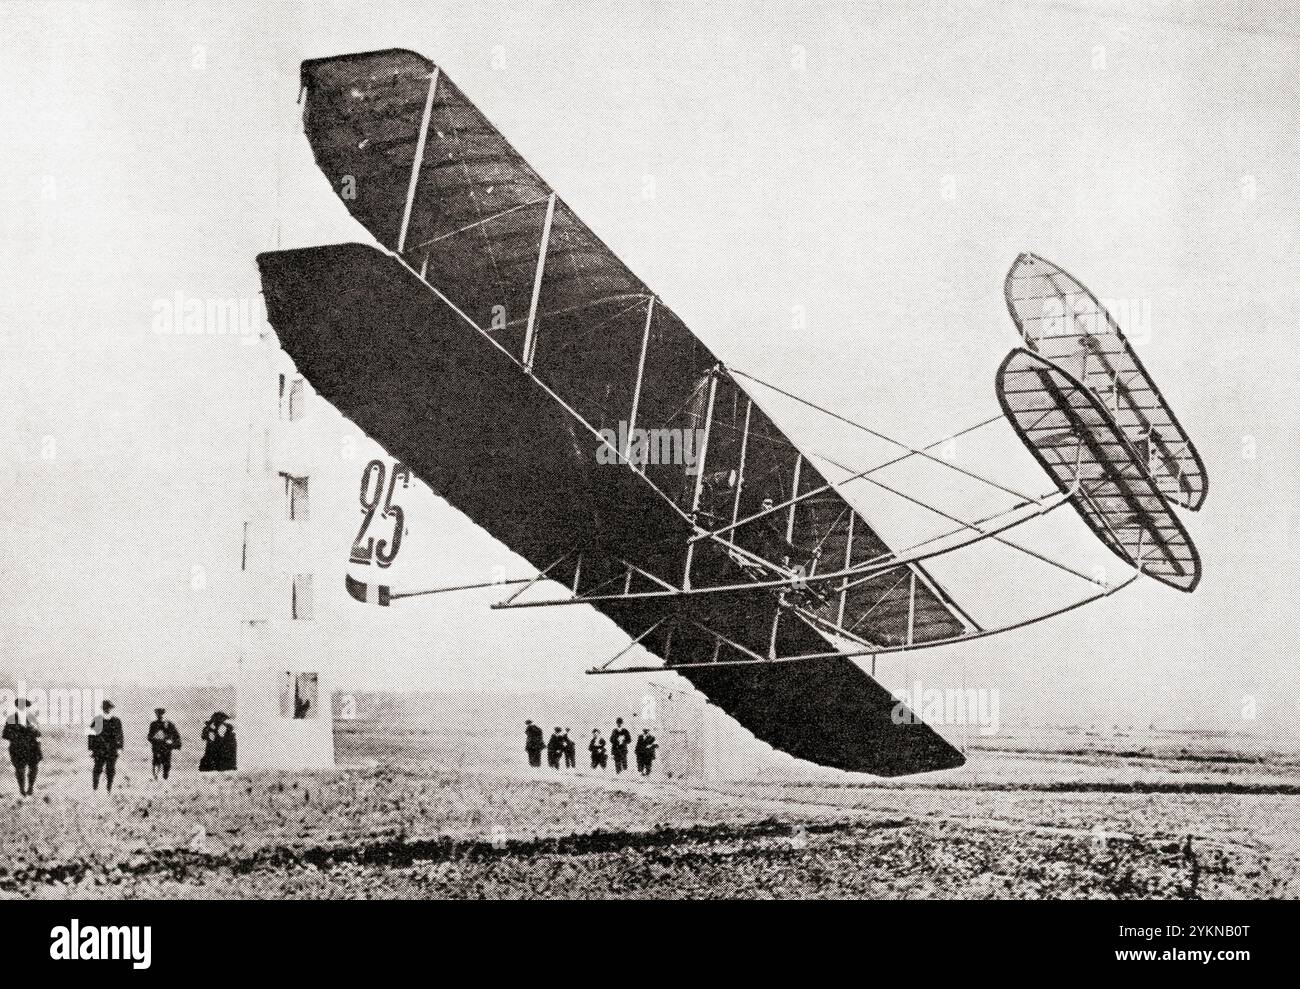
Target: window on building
point(299, 695)
point(293, 397)
point(295, 498)
point(301, 603)
point(297, 399)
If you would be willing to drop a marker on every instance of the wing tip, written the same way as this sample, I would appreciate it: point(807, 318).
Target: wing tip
point(268, 260)
point(853, 729)
point(1185, 584)
point(394, 60)
point(1024, 259)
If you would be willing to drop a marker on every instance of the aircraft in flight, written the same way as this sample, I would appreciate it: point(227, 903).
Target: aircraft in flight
point(503, 353)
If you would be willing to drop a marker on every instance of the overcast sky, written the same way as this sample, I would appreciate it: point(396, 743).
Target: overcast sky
point(877, 165)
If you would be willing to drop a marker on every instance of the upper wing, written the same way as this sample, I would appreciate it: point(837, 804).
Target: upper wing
point(1063, 321)
point(436, 182)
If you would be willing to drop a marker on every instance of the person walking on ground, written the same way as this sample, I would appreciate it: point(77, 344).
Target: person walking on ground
point(105, 743)
point(645, 752)
point(23, 734)
point(164, 739)
point(534, 743)
point(599, 754)
point(619, 740)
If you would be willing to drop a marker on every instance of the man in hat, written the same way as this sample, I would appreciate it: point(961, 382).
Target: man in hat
point(771, 530)
point(105, 741)
point(597, 749)
point(555, 748)
point(619, 740)
point(24, 737)
point(163, 739)
point(570, 751)
point(534, 743)
point(645, 751)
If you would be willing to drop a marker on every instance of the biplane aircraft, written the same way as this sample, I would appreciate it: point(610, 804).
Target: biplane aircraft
point(501, 351)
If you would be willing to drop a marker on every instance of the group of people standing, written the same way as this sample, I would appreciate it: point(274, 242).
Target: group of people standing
point(561, 748)
point(105, 741)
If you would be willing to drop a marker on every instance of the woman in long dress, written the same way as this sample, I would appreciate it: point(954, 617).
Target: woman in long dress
point(219, 754)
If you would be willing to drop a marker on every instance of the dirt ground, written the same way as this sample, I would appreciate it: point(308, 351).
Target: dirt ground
point(1061, 814)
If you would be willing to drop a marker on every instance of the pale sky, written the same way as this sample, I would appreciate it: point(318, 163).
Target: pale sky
point(879, 166)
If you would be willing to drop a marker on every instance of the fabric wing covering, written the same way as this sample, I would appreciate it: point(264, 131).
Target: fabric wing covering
point(468, 216)
point(1065, 323)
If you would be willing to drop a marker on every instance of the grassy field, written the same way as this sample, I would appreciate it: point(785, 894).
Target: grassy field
point(434, 801)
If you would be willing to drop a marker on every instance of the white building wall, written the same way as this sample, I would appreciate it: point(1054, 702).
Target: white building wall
point(276, 647)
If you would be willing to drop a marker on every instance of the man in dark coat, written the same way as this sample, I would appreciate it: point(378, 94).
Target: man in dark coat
point(619, 740)
point(163, 739)
point(24, 737)
point(534, 743)
point(105, 742)
point(570, 751)
point(599, 755)
point(226, 748)
point(555, 749)
point(645, 752)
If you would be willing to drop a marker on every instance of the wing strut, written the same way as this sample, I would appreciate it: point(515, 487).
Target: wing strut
point(874, 651)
